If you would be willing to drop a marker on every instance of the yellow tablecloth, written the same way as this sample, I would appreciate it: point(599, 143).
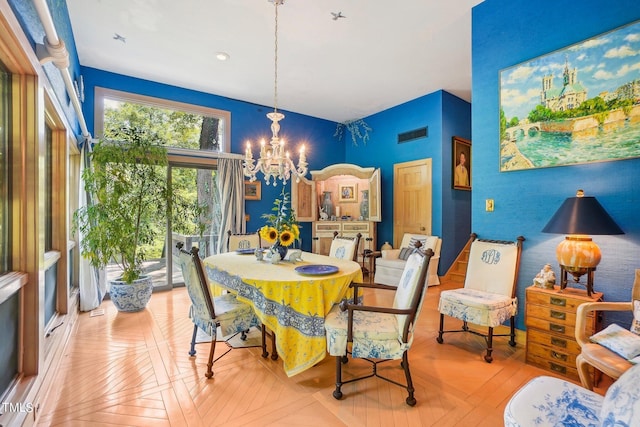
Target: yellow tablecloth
point(290, 304)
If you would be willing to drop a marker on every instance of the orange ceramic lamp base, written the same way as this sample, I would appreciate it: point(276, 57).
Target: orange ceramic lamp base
point(578, 255)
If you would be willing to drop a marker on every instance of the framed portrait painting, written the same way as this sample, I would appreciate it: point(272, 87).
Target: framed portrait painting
point(347, 192)
point(461, 163)
point(252, 190)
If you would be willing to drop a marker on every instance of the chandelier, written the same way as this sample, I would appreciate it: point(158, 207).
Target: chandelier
point(274, 161)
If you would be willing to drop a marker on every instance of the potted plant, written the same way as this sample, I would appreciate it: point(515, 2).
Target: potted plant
point(128, 182)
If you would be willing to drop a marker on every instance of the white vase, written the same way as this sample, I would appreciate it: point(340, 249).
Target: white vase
point(131, 297)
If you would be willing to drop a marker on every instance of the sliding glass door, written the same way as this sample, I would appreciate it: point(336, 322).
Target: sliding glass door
point(197, 185)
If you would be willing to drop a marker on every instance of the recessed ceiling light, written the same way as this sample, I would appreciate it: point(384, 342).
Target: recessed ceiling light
point(222, 56)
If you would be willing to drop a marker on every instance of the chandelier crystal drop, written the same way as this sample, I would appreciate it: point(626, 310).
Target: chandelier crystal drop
point(274, 161)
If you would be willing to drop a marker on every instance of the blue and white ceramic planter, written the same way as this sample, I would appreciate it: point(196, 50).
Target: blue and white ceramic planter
point(131, 297)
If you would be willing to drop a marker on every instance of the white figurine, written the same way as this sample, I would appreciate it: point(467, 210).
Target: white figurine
point(295, 255)
point(275, 257)
point(546, 278)
point(259, 253)
point(323, 215)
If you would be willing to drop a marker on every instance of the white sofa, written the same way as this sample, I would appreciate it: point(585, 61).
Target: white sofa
point(389, 266)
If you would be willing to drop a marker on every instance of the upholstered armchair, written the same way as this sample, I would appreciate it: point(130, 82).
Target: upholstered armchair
point(209, 314)
point(390, 263)
point(549, 401)
point(381, 333)
point(597, 355)
point(488, 298)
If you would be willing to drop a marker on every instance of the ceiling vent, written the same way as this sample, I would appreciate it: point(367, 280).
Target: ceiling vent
point(413, 134)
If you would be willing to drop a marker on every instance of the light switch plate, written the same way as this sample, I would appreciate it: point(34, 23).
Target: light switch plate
point(488, 205)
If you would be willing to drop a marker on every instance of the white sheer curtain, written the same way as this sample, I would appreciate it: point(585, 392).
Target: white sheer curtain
point(93, 283)
point(230, 181)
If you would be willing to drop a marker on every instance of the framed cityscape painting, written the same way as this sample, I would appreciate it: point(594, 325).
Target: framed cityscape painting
point(580, 104)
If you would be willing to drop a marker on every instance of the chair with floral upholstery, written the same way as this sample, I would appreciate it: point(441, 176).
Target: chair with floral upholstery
point(206, 313)
point(549, 401)
point(598, 353)
point(488, 298)
point(380, 333)
point(344, 247)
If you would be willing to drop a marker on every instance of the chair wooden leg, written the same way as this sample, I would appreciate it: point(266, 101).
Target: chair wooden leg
point(265, 353)
point(209, 372)
point(439, 339)
point(274, 352)
point(512, 342)
point(337, 394)
point(411, 401)
point(272, 335)
point(488, 357)
point(583, 373)
point(192, 351)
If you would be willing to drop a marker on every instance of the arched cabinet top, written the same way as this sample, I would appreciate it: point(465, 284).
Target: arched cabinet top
point(342, 169)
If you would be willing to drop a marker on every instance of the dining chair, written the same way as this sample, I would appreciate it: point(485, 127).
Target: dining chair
point(345, 247)
point(488, 298)
point(376, 332)
point(207, 314)
point(597, 355)
point(237, 241)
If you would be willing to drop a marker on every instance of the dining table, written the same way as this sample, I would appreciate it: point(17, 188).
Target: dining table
point(290, 298)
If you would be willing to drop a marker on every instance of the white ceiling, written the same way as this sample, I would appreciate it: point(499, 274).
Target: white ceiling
point(382, 54)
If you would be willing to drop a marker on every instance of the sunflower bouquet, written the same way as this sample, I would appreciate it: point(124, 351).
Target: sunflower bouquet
point(282, 227)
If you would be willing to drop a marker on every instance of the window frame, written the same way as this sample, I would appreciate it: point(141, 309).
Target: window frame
point(103, 93)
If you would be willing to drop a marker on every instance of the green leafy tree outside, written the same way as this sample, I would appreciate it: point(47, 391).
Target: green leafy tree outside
point(195, 189)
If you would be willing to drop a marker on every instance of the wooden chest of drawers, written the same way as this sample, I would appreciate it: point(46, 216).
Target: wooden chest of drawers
point(550, 317)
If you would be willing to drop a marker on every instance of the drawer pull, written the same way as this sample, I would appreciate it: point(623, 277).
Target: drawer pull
point(558, 342)
point(558, 315)
point(556, 328)
point(562, 302)
point(558, 368)
point(558, 356)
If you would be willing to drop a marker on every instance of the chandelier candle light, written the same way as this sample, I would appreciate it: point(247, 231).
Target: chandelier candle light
point(274, 161)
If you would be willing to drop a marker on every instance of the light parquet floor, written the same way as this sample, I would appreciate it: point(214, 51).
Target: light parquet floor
point(133, 369)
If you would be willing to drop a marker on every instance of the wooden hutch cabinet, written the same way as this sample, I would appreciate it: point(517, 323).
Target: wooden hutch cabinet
point(550, 317)
point(307, 198)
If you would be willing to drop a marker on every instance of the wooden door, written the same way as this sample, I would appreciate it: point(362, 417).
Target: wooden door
point(411, 199)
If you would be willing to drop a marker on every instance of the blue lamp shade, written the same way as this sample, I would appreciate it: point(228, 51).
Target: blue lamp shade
point(582, 215)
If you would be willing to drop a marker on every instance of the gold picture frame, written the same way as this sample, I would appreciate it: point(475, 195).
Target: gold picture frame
point(252, 190)
point(461, 168)
point(347, 193)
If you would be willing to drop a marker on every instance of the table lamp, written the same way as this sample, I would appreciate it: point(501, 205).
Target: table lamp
point(577, 254)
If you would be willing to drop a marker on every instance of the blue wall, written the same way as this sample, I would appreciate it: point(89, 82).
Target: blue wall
point(445, 116)
point(506, 33)
point(248, 122)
